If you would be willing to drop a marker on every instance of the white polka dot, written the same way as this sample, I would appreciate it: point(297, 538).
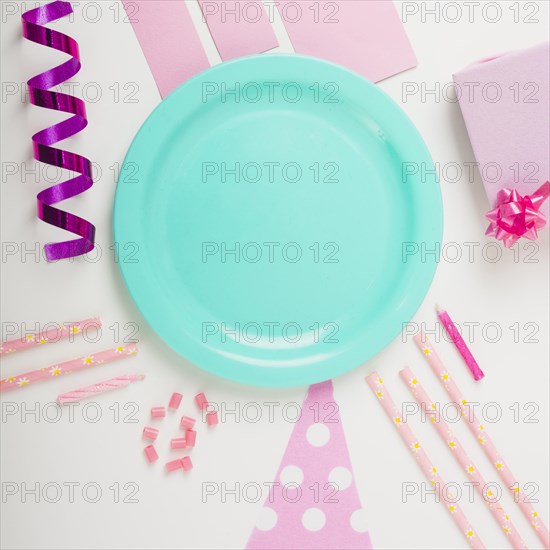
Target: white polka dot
point(313, 519)
point(359, 521)
point(267, 519)
point(341, 477)
point(318, 434)
point(291, 474)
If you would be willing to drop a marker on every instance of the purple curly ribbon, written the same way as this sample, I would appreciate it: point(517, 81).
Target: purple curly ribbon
point(33, 29)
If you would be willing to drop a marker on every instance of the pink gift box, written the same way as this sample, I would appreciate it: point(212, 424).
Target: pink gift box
point(505, 103)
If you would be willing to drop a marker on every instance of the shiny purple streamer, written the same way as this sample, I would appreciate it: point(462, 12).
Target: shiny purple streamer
point(33, 29)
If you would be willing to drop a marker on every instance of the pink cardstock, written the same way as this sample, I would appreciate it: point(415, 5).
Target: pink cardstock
point(169, 40)
point(505, 103)
point(239, 27)
point(314, 503)
point(366, 37)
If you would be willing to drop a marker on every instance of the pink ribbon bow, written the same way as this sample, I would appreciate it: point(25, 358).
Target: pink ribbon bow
point(515, 216)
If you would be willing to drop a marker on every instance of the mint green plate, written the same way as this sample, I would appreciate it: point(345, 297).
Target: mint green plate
point(272, 219)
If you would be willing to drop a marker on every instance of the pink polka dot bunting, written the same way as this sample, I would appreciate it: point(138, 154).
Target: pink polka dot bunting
point(314, 503)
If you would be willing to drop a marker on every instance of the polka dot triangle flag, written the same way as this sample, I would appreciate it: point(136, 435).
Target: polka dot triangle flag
point(313, 503)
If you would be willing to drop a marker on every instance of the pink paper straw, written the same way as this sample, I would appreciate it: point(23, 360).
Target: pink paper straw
point(482, 437)
point(74, 365)
point(101, 387)
point(453, 444)
point(51, 335)
point(377, 386)
point(459, 343)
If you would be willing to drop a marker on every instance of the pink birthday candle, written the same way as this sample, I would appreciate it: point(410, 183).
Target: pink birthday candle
point(459, 343)
point(101, 387)
point(453, 444)
point(50, 335)
point(430, 471)
point(480, 433)
point(60, 369)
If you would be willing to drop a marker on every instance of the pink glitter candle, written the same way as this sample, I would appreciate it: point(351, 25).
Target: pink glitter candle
point(459, 343)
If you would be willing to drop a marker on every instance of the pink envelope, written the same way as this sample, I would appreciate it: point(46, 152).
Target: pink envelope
point(239, 27)
point(169, 40)
point(366, 37)
point(505, 103)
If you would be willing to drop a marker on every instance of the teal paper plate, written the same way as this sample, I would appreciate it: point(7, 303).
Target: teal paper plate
point(273, 220)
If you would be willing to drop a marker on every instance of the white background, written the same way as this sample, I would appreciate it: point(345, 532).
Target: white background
point(171, 512)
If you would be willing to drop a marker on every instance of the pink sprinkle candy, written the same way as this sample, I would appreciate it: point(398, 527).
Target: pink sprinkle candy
point(158, 412)
point(150, 433)
point(212, 418)
point(175, 400)
point(151, 453)
point(190, 437)
point(174, 465)
point(200, 400)
point(187, 422)
point(178, 443)
point(186, 463)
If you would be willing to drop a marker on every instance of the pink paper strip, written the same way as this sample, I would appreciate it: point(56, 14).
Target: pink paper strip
point(238, 27)
point(59, 369)
point(169, 40)
point(366, 37)
point(49, 336)
point(314, 504)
